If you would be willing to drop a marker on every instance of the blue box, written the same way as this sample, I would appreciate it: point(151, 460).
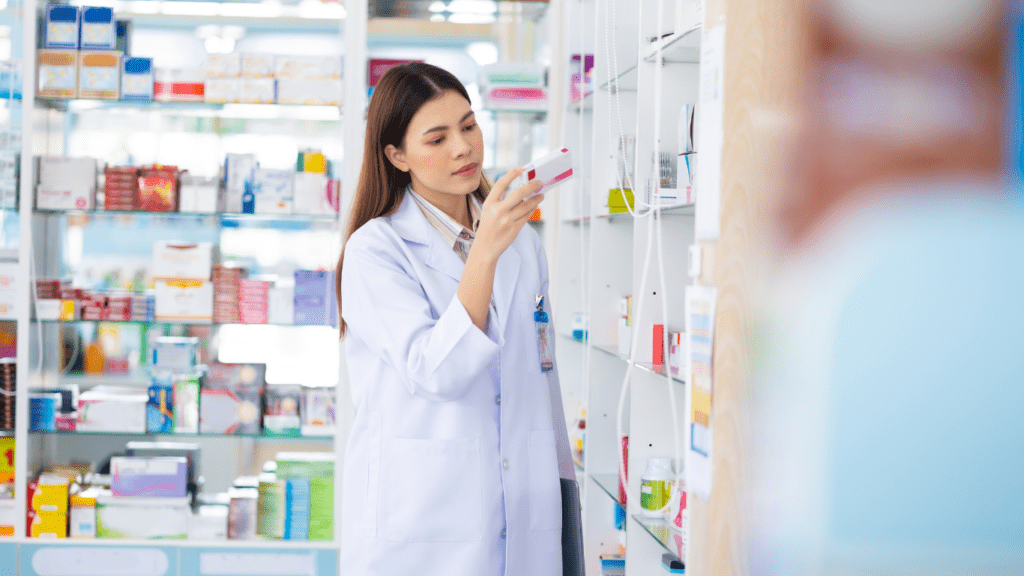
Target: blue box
point(62, 26)
point(98, 29)
point(160, 408)
point(315, 303)
point(137, 79)
point(43, 410)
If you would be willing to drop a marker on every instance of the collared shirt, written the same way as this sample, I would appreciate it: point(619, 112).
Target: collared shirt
point(455, 235)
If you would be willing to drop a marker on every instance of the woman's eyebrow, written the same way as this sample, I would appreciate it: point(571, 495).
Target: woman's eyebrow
point(445, 128)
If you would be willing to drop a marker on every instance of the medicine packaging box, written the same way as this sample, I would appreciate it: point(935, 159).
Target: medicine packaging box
point(209, 522)
point(48, 493)
point(105, 411)
point(99, 32)
point(58, 73)
point(142, 518)
point(223, 65)
point(160, 410)
point(182, 260)
point(175, 353)
point(297, 502)
point(257, 66)
point(47, 524)
point(307, 67)
point(223, 90)
point(257, 91)
point(282, 415)
point(281, 305)
point(178, 84)
point(318, 412)
point(200, 195)
point(231, 400)
point(137, 79)
point(310, 92)
point(62, 26)
point(238, 175)
point(82, 518)
point(66, 183)
point(321, 509)
point(243, 511)
point(184, 301)
point(186, 403)
point(154, 477)
point(99, 75)
point(273, 191)
point(314, 194)
point(270, 506)
point(314, 301)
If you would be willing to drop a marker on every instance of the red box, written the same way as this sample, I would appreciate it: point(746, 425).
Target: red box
point(659, 345)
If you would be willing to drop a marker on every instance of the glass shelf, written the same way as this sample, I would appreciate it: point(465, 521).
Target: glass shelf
point(660, 370)
point(626, 81)
point(224, 216)
point(609, 483)
point(183, 435)
point(212, 109)
point(172, 322)
point(674, 210)
point(659, 529)
point(613, 352)
point(677, 48)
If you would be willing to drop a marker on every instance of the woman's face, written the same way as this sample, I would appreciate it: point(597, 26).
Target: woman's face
point(443, 149)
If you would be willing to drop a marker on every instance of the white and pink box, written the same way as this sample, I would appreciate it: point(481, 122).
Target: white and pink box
point(157, 477)
point(552, 169)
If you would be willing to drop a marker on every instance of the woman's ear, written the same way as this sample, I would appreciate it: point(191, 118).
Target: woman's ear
point(397, 157)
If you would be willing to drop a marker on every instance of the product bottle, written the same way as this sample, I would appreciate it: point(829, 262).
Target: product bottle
point(656, 487)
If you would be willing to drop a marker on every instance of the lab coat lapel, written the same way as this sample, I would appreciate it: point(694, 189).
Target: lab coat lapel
point(413, 227)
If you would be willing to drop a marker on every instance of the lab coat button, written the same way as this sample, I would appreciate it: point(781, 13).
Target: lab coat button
point(502, 533)
point(505, 464)
point(497, 399)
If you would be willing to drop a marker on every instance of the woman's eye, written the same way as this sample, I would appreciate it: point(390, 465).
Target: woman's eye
point(468, 128)
point(438, 141)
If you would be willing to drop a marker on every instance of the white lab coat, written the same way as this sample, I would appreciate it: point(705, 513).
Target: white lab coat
point(453, 463)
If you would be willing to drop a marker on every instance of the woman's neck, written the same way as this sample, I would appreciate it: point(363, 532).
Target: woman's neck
point(454, 205)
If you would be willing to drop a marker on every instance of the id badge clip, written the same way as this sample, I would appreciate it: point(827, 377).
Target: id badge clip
point(544, 345)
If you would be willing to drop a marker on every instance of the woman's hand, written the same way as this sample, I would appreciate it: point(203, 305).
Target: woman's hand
point(502, 218)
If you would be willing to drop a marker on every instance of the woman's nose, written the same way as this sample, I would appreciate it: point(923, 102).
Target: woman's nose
point(462, 146)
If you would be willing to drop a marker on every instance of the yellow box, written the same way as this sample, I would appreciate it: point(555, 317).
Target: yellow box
point(67, 310)
point(616, 204)
point(50, 497)
point(49, 525)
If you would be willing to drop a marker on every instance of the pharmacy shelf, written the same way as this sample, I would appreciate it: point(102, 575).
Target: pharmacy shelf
point(210, 109)
point(658, 369)
point(661, 531)
point(173, 323)
point(252, 544)
point(224, 216)
point(683, 48)
point(626, 81)
point(585, 104)
point(184, 435)
point(622, 216)
point(609, 484)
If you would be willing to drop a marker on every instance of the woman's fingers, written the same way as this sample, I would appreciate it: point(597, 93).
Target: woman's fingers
point(516, 197)
point(525, 209)
point(499, 188)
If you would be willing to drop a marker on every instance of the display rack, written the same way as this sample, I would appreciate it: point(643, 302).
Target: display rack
point(601, 260)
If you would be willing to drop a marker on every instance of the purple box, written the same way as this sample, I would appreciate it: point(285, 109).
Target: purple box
point(157, 477)
point(315, 302)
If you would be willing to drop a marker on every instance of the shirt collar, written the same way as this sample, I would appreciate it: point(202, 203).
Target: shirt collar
point(445, 224)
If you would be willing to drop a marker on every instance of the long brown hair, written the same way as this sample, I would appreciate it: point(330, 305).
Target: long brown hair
point(396, 99)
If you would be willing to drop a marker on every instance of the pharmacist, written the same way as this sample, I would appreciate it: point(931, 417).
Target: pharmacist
point(453, 463)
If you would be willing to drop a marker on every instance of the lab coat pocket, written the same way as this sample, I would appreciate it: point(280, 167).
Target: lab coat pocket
point(545, 490)
point(434, 490)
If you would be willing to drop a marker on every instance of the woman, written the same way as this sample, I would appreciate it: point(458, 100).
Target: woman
point(453, 464)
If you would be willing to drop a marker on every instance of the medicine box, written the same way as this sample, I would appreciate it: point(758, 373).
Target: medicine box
point(257, 91)
point(62, 26)
point(199, 195)
point(160, 410)
point(307, 68)
point(231, 400)
point(273, 191)
point(257, 66)
point(310, 92)
point(182, 260)
point(223, 65)
point(314, 194)
point(48, 493)
point(238, 175)
point(103, 411)
point(99, 75)
point(142, 518)
point(58, 73)
point(82, 518)
point(47, 524)
point(178, 84)
point(98, 30)
point(184, 301)
point(282, 415)
point(318, 412)
point(281, 305)
point(137, 79)
point(223, 90)
point(321, 509)
point(155, 477)
point(186, 403)
point(66, 183)
point(175, 353)
point(209, 522)
point(314, 298)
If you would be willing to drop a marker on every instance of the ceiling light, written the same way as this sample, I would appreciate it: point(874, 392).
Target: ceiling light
point(436, 7)
point(322, 10)
point(472, 18)
point(483, 53)
point(473, 6)
point(437, 18)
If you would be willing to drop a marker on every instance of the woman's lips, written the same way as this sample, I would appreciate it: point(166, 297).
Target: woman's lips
point(467, 170)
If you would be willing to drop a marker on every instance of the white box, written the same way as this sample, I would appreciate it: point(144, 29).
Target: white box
point(223, 66)
point(8, 514)
point(307, 67)
point(210, 522)
point(625, 336)
point(184, 301)
point(100, 411)
point(8, 276)
point(222, 90)
point(272, 191)
point(142, 518)
point(257, 66)
point(200, 195)
point(182, 260)
point(310, 92)
point(257, 91)
point(176, 353)
point(677, 346)
point(313, 194)
point(8, 304)
point(238, 174)
point(66, 183)
point(48, 309)
point(281, 305)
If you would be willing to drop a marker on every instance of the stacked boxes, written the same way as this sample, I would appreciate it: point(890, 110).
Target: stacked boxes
point(137, 79)
point(178, 85)
point(310, 477)
point(315, 303)
point(143, 308)
point(308, 80)
point(181, 272)
point(48, 507)
point(232, 399)
point(66, 183)
point(273, 191)
point(282, 416)
point(226, 282)
point(201, 195)
point(253, 301)
point(99, 75)
point(119, 308)
point(8, 386)
point(265, 79)
point(121, 188)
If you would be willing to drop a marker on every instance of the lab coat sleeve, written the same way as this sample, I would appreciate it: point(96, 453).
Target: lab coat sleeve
point(438, 359)
point(566, 469)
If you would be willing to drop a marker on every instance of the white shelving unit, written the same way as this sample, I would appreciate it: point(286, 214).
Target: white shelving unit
point(40, 135)
point(601, 259)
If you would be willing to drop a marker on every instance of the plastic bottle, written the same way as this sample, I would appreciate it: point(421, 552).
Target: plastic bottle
point(656, 487)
